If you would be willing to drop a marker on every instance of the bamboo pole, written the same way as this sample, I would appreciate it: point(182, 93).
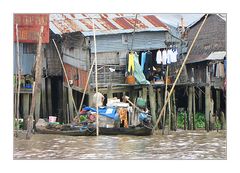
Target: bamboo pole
point(178, 75)
point(19, 80)
point(95, 58)
point(169, 116)
point(65, 73)
point(165, 97)
point(85, 88)
point(37, 85)
point(194, 108)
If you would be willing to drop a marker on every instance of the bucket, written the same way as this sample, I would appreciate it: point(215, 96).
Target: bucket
point(131, 80)
point(168, 80)
point(141, 102)
point(52, 119)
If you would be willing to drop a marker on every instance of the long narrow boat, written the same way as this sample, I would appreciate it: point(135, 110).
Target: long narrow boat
point(137, 131)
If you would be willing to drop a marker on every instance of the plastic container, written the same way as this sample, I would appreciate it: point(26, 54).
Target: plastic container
point(131, 80)
point(141, 102)
point(52, 119)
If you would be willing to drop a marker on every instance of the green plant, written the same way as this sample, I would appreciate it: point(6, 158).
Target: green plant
point(180, 120)
point(200, 120)
point(20, 124)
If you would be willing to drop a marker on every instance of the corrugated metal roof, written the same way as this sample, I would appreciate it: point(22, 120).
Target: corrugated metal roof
point(105, 23)
point(219, 55)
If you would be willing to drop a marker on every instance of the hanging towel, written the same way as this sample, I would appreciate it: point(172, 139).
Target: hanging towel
point(159, 57)
point(148, 64)
point(131, 62)
point(221, 70)
point(143, 60)
point(138, 73)
point(169, 56)
point(174, 56)
point(164, 57)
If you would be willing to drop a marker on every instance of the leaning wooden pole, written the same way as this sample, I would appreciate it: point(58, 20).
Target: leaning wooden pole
point(65, 73)
point(96, 82)
point(85, 88)
point(178, 75)
point(165, 98)
point(19, 81)
point(37, 86)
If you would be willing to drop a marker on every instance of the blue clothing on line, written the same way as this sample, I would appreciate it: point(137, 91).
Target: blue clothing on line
point(143, 59)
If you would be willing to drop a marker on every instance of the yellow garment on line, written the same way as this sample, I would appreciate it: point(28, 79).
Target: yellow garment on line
point(131, 62)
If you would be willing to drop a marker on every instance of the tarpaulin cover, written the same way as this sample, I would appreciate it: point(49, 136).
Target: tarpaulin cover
point(109, 112)
point(138, 73)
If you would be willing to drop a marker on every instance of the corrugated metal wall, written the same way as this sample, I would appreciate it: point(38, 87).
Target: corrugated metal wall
point(74, 52)
point(78, 76)
point(120, 42)
point(26, 60)
point(54, 67)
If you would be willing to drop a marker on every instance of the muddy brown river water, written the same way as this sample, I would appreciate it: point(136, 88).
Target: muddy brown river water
point(176, 145)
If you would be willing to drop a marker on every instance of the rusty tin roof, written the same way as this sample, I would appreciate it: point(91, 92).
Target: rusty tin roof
point(105, 23)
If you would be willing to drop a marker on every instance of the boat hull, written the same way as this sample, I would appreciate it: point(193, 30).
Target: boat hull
point(136, 131)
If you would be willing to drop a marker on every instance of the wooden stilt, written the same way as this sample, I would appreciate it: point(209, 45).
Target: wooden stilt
point(25, 110)
point(218, 100)
point(18, 84)
point(144, 93)
point(109, 92)
point(207, 106)
point(211, 118)
point(64, 105)
point(223, 121)
point(36, 94)
point(38, 106)
point(49, 96)
point(194, 108)
point(165, 101)
point(152, 98)
point(169, 115)
point(200, 100)
point(44, 104)
point(174, 112)
point(134, 118)
point(60, 101)
point(190, 96)
point(185, 120)
point(70, 104)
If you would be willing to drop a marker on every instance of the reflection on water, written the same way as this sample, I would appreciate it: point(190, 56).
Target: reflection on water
point(177, 145)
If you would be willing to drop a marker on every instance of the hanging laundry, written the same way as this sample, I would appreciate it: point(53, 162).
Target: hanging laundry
point(174, 54)
point(164, 57)
point(217, 70)
point(138, 73)
point(159, 57)
point(225, 64)
point(169, 56)
point(221, 70)
point(148, 64)
point(131, 62)
point(143, 59)
point(123, 116)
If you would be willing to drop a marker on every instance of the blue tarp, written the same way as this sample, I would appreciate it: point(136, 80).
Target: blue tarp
point(109, 112)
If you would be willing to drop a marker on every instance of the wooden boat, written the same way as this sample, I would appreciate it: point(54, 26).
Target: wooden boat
point(72, 132)
point(137, 131)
